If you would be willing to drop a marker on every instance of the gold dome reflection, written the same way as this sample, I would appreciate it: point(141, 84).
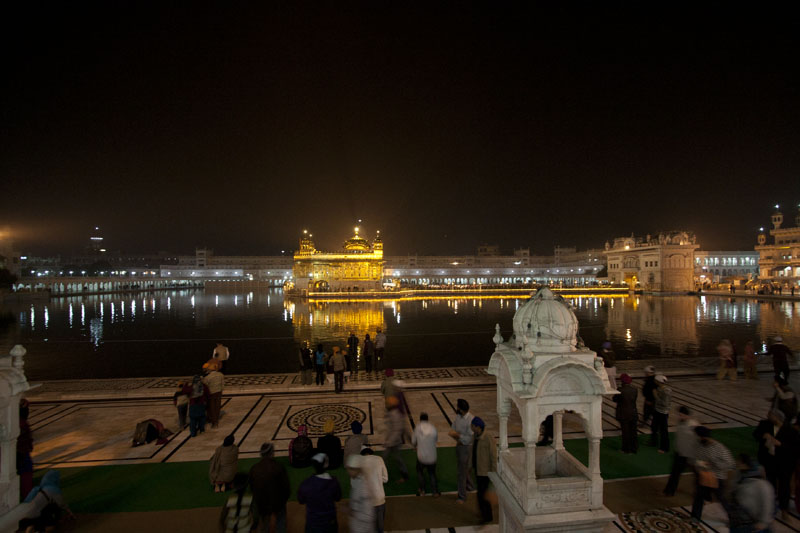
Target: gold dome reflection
point(314, 321)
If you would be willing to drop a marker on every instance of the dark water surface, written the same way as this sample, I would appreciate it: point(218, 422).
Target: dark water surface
point(173, 333)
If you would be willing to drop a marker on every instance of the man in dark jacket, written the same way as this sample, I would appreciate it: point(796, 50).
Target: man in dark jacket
point(270, 485)
point(627, 414)
point(781, 355)
point(777, 452)
point(306, 364)
point(352, 353)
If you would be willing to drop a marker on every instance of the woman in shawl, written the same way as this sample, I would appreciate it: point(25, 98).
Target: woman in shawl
point(223, 465)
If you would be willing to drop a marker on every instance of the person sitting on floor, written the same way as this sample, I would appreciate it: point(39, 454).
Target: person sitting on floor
point(47, 507)
point(301, 449)
point(330, 445)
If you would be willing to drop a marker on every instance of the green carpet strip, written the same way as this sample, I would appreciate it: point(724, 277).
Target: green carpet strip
point(184, 485)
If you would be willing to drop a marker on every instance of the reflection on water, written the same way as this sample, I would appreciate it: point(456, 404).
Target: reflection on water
point(327, 322)
point(171, 333)
point(652, 325)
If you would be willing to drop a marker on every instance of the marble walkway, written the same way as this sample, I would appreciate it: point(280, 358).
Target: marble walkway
point(94, 425)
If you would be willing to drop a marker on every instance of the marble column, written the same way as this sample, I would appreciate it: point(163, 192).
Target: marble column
point(558, 435)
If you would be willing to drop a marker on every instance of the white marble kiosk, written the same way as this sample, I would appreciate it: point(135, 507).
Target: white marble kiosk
point(544, 371)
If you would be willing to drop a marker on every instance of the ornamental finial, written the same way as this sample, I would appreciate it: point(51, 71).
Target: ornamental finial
point(498, 337)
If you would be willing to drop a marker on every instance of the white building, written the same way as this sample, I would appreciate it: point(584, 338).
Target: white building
point(567, 266)
point(205, 265)
point(779, 262)
point(713, 267)
point(660, 263)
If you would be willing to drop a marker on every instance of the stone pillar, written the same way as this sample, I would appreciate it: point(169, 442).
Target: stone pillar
point(12, 385)
point(594, 456)
point(503, 432)
point(530, 434)
point(558, 434)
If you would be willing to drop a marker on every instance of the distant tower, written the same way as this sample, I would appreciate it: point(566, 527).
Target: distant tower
point(377, 244)
point(762, 239)
point(306, 244)
point(777, 218)
point(96, 242)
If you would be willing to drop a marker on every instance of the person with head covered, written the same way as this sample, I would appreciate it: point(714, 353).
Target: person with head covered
point(330, 445)
point(319, 493)
point(224, 465)
point(269, 482)
point(356, 441)
point(301, 448)
point(627, 415)
point(47, 507)
point(362, 511)
point(484, 460)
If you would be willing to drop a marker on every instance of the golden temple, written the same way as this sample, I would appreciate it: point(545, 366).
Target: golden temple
point(359, 267)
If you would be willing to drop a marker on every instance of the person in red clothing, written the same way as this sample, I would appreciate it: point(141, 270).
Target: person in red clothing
point(198, 399)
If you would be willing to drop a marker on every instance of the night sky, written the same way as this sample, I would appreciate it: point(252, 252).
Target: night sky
point(442, 125)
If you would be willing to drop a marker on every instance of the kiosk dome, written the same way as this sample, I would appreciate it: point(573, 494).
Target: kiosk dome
point(546, 323)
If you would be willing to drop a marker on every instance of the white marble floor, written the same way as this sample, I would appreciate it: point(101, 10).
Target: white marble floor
point(94, 432)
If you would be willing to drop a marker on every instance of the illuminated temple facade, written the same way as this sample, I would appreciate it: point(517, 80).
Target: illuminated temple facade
point(359, 266)
point(779, 261)
point(657, 263)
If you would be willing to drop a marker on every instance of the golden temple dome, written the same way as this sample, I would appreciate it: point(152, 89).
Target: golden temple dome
point(357, 243)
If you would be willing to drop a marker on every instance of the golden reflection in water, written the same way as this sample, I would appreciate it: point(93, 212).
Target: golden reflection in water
point(668, 320)
point(321, 320)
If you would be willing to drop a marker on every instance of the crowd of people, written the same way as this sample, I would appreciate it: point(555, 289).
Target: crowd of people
point(258, 502)
point(201, 399)
point(748, 488)
point(729, 359)
point(341, 364)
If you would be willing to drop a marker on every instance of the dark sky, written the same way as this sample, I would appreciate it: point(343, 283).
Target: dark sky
point(442, 125)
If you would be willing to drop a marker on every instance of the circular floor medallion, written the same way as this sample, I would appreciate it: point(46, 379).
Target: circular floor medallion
point(659, 521)
point(314, 418)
